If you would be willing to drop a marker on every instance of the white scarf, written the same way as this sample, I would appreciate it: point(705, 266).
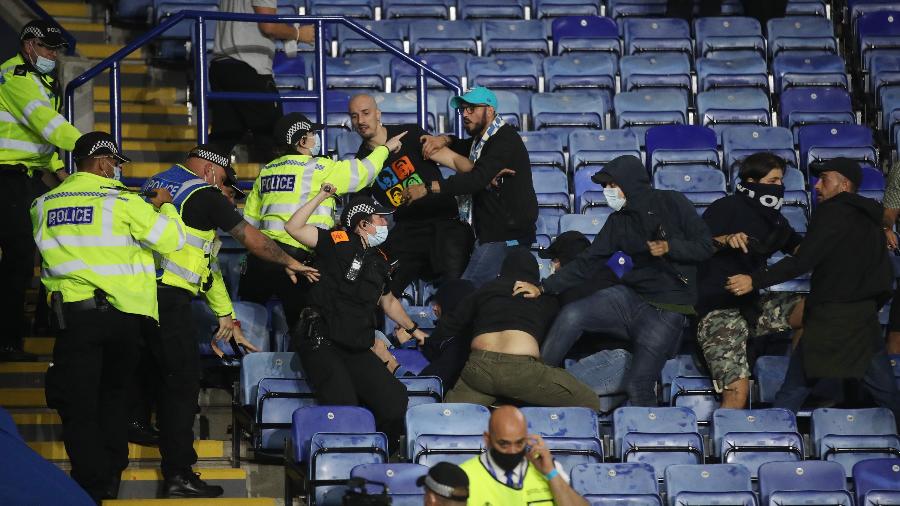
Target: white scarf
point(495, 125)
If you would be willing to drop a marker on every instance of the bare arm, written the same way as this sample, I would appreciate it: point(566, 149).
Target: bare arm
point(393, 309)
point(284, 31)
point(540, 457)
point(259, 244)
point(308, 235)
point(452, 159)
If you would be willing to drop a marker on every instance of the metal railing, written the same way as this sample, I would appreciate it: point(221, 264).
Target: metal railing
point(41, 13)
point(201, 79)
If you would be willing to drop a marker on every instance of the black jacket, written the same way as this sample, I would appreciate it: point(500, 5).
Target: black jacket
point(628, 230)
point(846, 251)
point(509, 213)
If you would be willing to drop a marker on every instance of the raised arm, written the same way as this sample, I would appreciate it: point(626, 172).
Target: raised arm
point(297, 227)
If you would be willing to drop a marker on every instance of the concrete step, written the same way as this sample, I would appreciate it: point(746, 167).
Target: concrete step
point(101, 51)
point(179, 147)
point(84, 27)
point(39, 426)
point(67, 9)
point(39, 345)
point(164, 94)
point(147, 169)
point(158, 132)
point(22, 398)
point(254, 501)
point(144, 483)
point(22, 375)
point(206, 450)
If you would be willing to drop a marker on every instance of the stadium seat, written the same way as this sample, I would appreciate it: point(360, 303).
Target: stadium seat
point(739, 142)
point(806, 482)
point(445, 432)
point(806, 71)
point(327, 443)
point(571, 434)
point(592, 148)
point(666, 70)
point(431, 36)
point(291, 72)
point(502, 37)
point(399, 480)
point(657, 436)
point(361, 9)
point(769, 372)
point(747, 72)
point(699, 184)
point(884, 73)
point(640, 110)
point(517, 74)
point(795, 188)
point(872, 185)
point(754, 437)
point(547, 229)
point(258, 366)
point(492, 9)
point(729, 37)
point(347, 144)
point(545, 149)
point(452, 66)
point(847, 436)
point(679, 145)
point(423, 389)
point(657, 35)
point(800, 35)
point(587, 225)
point(721, 109)
point(552, 189)
point(510, 108)
point(630, 484)
point(569, 110)
point(392, 32)
point(560, 8)
point(696, 394)
point(696, 485)
point(810, 106)
point(677, 366)
point(276, 401)
point(133, 10)
point(421, 315)
point(592, 71)
point(364, 72)
point(818, 143)
point(585, 34)
point(877, 33)
point(890, 111)
point(416, 9)
point(172, 42)
point(806, 8)
point(254, 320)
point(588, 194)
point(877, 481)
point(402, 108)
point(623, 9)
point(412, 360)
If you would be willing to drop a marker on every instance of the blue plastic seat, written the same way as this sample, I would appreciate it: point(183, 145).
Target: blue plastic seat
point(753, 437)
point(657, 35)
point(848, 436)
point(587, 225)
point(513, 73)
point(746, 72)
point(585, 34)
point(666, 70)
point(811, 106)
point(445, 432)
point(501, 37)
point(133, 10)
point(430, 36)
point(291, 72)
point(696, 485)
point(657, 436)
point(805, 71)
point(696, 392)
point(641, 110)
point(254, 320)
point(890, 110)
point(569, 110)
point(399, 478)
point(721, 109)
point(347, 144)
point(545, 149)
point(258, 366)
point(739, 142)
point(680, 145)
point(561, 8)
point(412, 360)
point(806, 8)
point(423, 389)
point(699, 184)
point(588, 194)
point(392, 32)
point(884, 73)
point(621, 9)
point(571, 434)
point(276, 401)
point(593, 71)
point(769, 372)
point(818, 143)
point(877, 481)
point(492, 9)
point(593, 148)
point(877, 33)
point(360, 9)
point(552, 189)
point(677, 366)
point(358, 71)
point(172, 41)
point(807, 482)
point(510, 108)
point(401, 108)
point(416, 9)
point(800, 35)
point(729, 37)
point(630, 484)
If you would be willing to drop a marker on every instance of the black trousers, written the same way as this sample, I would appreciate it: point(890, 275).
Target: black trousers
point(261, 280)
point(231, 120)
point(88, 384)
point(346, 378)
point(428, 250)
point(17, 246)
point(175, 355)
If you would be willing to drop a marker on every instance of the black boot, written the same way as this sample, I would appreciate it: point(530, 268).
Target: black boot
point(189, 484)
point(143, 434)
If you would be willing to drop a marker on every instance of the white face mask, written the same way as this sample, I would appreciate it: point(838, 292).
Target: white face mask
point(614, 198)
point(381, 233)
point(317, 147)
point(116, 172)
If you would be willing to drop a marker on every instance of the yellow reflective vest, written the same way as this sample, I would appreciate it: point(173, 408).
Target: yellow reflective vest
point(94, 237)
point(195, 267)
point(485, 490)
point(31, 127)
point(286, 183)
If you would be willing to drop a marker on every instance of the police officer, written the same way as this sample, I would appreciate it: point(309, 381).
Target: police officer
point(196, 188)
point(282, 187)
point(338, 329)
point(94, 235)
point(31, 129)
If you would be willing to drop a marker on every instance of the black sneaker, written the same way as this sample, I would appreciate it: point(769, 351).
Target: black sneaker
point(190, 485)
point(16, 354)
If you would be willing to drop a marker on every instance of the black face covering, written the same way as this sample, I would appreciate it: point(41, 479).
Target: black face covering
point(767, 197)
point(507, 461)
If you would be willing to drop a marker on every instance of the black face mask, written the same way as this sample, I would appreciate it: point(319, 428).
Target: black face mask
point(507, 461)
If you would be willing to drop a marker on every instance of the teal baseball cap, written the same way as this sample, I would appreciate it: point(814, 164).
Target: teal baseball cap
point(476, 96)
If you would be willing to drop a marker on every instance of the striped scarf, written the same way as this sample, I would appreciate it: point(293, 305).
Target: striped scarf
point(495, 125)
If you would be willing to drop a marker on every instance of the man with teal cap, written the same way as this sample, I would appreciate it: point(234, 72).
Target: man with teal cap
point(493, 166)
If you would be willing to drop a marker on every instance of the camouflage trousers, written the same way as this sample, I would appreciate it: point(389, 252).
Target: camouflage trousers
point(723, 333)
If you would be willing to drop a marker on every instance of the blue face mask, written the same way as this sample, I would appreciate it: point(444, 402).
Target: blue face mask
point(44, 65)
point(317, 147)
point(381, 233)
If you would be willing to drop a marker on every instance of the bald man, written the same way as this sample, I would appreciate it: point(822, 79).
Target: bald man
point(517, 469)
point(428, 238)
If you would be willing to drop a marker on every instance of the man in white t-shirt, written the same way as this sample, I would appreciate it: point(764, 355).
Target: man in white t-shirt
point(242, 61)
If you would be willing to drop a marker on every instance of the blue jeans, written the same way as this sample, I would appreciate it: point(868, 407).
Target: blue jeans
point(878, 380)
point(620, 312)
point(485, 262)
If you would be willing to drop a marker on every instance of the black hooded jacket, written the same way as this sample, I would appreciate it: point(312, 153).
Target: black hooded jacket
point(492, 308)
point(846, 251)
point(671, 279)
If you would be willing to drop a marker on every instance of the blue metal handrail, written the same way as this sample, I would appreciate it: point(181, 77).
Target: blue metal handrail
point(112, 63)
point(41, 13)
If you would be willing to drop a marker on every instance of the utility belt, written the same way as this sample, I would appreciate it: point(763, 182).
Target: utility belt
point(13, 170)
point(311, 331)
point(298, 254)
point(60, 309)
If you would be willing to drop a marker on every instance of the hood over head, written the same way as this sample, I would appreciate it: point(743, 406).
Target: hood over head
point(452, 292)
point(520, 265)
point(629, 174)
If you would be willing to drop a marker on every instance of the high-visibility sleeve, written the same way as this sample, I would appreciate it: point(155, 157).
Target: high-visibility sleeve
point(217, 297)
point(161, 231)
point(27, 101)
point(253, 205)
point(353, 175)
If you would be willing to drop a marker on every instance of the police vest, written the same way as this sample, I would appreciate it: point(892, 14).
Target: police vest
point(485, 490)
point(286, 183)
point(191, 267)
point(94, 237)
